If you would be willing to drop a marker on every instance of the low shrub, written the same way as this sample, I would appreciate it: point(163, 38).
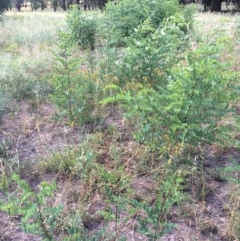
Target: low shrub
point(82, 28)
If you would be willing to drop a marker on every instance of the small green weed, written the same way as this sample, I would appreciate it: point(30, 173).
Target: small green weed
point(75, 162)
point(153, 221)
point(37, 216)
point(232, 174)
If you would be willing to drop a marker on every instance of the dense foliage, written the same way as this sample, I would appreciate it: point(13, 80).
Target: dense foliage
point(82, 29)
point(125, 17)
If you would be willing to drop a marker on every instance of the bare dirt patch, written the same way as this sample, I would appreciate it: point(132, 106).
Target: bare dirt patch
point(31, 135)
point(9, 231)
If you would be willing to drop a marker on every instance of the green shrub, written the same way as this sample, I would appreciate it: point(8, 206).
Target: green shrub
point(190, 106)
point(37, 216)
point(151, 48)
point(127, 15)
point(82, 28)
point(76, 91)
point(154, 222)
point(147, 59)
point(72, 162)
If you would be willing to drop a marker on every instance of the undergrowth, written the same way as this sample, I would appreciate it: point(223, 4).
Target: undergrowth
point(155, 92)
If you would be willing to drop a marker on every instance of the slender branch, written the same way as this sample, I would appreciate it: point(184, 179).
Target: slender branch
point(41, 220)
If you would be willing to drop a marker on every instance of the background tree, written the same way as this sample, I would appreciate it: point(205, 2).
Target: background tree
point(43, 4)
point(4, 5)
point(216, 5)
point(18, 4)
point(64, 5)
point(101, 4)
point(54, 4)
point(34, 5)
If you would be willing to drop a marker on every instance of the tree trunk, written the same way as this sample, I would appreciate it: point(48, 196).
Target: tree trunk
point(216, 6)
point(42, 5)
point(64, 5)
point(18, 5)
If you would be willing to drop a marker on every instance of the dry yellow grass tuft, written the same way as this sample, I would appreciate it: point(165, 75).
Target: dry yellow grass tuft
point(208, 22)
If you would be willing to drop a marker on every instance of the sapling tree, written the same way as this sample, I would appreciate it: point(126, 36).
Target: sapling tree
point(18, 4)
point(82, 28)
point(74, 89)
point(37, 217)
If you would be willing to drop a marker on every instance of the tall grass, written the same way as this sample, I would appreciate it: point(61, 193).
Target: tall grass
point(210, 22)
point(25, 54)
point(29, 30)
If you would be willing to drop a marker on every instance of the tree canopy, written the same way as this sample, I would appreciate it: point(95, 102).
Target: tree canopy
point(4, 5)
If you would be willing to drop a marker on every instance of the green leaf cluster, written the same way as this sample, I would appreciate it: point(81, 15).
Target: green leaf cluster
point(191, 105)
point(147, 60)
point(128, 15)
point(154, 222)
point(82, 28)
point(74, 90)
point(37, 217)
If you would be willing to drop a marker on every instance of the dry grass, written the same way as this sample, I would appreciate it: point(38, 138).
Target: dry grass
point(208, 23)
point(30, 29)
point(26, 59)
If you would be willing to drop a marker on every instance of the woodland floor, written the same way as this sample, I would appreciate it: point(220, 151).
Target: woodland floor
point(30, 135)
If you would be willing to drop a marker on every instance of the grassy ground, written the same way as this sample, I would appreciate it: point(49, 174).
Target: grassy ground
point(86, 162)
